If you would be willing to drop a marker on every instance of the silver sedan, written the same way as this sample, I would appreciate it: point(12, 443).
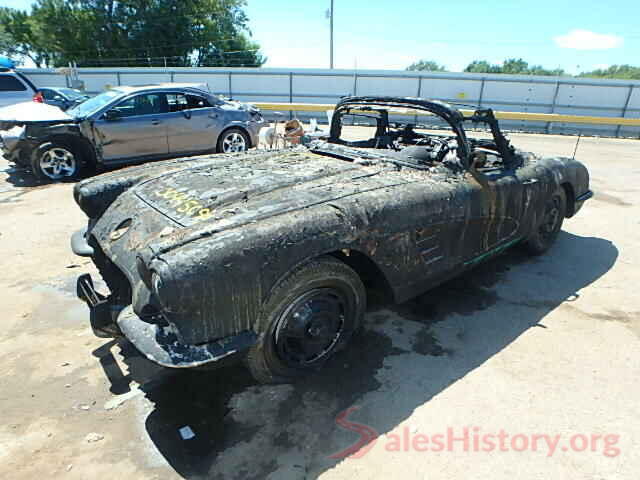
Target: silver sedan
point(127, 125)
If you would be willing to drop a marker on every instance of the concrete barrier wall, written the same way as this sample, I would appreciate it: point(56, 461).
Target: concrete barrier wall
point(508, 93)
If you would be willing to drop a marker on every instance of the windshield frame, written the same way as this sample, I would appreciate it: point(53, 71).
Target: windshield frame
point(446, 112)
point(96, 104)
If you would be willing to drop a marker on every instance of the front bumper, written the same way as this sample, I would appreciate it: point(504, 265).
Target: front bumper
point(151, 334)
point(158, 343)
point(254, 131)
point(14, 156)
point(13, 145)
point(79, 244)
point(579, 201)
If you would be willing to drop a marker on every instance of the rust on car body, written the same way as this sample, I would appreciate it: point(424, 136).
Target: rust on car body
point(207, 239)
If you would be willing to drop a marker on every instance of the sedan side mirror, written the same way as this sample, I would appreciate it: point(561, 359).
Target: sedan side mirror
point(111, 115)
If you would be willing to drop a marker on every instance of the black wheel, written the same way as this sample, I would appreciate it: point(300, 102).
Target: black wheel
point(56, 161)
point(547, 232)
point(310, 315)
point(233, 140)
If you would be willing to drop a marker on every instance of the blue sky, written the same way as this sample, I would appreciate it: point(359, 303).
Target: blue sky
point(377, 34)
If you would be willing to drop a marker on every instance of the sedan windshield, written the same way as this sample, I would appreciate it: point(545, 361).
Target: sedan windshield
point(93, 104)
point(72, 94)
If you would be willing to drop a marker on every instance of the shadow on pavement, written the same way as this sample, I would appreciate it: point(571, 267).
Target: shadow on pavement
point(23, 178)
point(244, 430)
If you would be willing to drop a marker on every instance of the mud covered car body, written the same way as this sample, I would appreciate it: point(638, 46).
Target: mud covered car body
point(124, 125)
point(191, 249)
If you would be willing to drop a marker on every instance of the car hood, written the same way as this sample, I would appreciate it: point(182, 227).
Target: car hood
point(33, 112)
point(238, 106)
point(227, 193)
point(201, 197)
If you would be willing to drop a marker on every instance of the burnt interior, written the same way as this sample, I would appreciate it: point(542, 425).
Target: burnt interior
point(406, 143)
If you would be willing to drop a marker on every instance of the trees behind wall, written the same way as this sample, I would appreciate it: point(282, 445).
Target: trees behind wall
point(520, 67)
point(190, 33)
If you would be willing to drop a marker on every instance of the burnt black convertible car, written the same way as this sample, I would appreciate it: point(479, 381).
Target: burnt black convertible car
point(269, 255)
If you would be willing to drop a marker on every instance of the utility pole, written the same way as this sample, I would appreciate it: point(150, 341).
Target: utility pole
point(331, 36)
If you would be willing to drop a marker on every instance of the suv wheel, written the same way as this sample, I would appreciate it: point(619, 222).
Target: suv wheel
point(310, 315)
point(55, 161)
point(233, 140)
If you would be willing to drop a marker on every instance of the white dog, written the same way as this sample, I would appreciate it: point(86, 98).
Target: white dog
point(268, 137)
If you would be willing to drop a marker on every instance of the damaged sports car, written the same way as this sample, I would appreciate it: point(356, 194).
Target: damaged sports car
point(269, 256)
point(125, 125)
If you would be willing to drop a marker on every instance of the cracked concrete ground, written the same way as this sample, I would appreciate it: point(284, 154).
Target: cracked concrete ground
point(526, 346)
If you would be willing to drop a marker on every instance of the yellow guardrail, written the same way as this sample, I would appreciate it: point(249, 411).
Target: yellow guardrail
point(534, 117)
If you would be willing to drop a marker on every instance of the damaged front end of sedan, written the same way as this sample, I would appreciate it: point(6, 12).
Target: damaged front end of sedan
point(24, 127)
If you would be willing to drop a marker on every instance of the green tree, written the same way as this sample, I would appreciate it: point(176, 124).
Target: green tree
point(19, 37)
point(136, 33)
point(615, 71)
point(7, 43)
point(513, 66)
point(482, 66)
point(538, 70)
point(427, 65)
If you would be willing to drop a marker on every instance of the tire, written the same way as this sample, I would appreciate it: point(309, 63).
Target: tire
point(233, 140)
point(56, 161)
point(310, 315)
point(547, 231)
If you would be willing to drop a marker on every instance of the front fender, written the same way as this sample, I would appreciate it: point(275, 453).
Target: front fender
point(219, 284)
point(252, 128)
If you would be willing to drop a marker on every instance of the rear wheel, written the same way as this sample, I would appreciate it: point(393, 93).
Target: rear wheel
point(310, 315)
point(233, 140)
point(547, 232)
point(56, 161)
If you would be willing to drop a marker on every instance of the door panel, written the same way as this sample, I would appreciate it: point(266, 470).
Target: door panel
point(447, 221)
point(193, 131)
point(480, 214)
point(140, 130)
point(193, 125)
point(507, 208)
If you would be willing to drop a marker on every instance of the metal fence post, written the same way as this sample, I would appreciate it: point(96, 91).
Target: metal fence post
point(230, 89)
point(418, 94)
point(355, 83)
point(553, 105)
point(172, 73)
point(118, 77)
point(624, 109)
point(481, 91)
point(290, 94)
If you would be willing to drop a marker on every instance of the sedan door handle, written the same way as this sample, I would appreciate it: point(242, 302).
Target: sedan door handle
point(531, 181)
point(155, 122)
